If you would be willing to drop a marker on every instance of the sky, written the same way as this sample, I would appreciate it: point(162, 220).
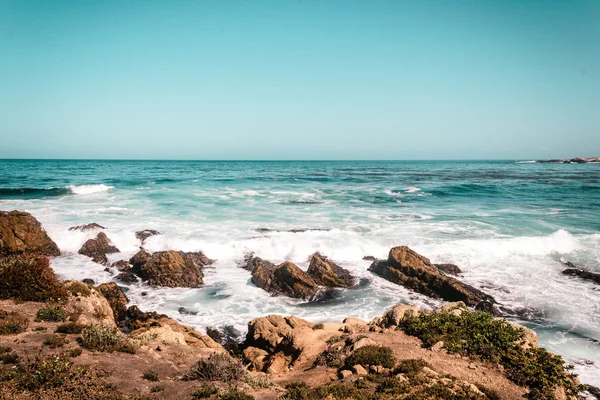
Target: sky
point(309, 79)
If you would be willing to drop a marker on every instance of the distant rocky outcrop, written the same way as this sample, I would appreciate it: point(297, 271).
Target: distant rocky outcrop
point(20, 232)
point(98, 248)
point(410, 269)
point(576, 160)
point(574, 270)
point(170, 268)
point(86, 227)
point(145, 234)
point(325, 272)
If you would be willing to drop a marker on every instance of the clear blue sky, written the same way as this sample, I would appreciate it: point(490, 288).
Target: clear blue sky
point(310, 79)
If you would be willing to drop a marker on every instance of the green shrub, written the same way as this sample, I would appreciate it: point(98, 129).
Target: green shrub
point(411, 367)
point(4, 349)
point(9, 358)
point(49, 371)
point(12, 323)
point(29, 278)
point(218, 367)
point(235, 394)
point(79, 288)
point(53, 313)
point(40, 329)
point(75, 352)
point(54, 341)
point(371, 355)
point(258, 382)
point(150, 375)
point(205, 391)
point(157, 388)
point(331, 357)
point(70, 328)
point(478, 335)
point(104, 338)
point(392, 387)
point(334, 339)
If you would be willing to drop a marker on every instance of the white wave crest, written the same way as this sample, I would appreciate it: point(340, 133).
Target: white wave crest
point(525, 162)
point(89, 189)
point(412, 189)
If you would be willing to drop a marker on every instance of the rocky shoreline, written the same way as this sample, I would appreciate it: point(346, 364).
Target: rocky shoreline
point(70, 339)
point(576, 160)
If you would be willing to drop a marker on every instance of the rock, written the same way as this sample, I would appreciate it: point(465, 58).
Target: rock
point(20, 232)
point(487, 306)
point(121, 265)
point(285, 278)
point(410, 269)
point(354, 321)
point(362, 343)
point(116, 299)
point(369, 258)
point(90, 309)
point(401, 378)
point(327, 273)
point(530, 339)
point(429, 372)
point(170, 268)
point(448, 269)
point(394, 315)
point(127, 276)
point(86, 227)
point(185, 311)
point(378, 369)
point(359, 370)
point(88, 281)
point(576, 160)
point(437, 347)
point(583, 274)
point(145, 234)
point(345, 374)
point(251, 262)
point(98, 248)
point(256, 357)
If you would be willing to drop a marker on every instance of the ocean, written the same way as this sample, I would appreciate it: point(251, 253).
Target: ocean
point(507, 224)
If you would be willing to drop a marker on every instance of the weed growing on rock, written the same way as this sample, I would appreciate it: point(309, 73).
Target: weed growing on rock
point(79, 288)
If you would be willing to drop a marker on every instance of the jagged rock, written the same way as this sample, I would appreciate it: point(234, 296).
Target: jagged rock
point(410, 269)
point(345, 373)
point(448, 269)
point(127, 276)
point(583, 274)
point(251, 262)
point(327, 273)
point(20, 232)
point(86, 227)
point(90, 309)
point(145, 234)
point(98, 248)
point(116, 298)
point(170, 268)
point(286, 279)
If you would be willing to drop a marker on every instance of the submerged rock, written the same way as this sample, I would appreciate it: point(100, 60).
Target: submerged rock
point(20, 232)
point(98, 248)
point(170, 268)
point(145, 234)
point(327, 273)
point(86, 227)
point(410, 269)
point(285, 278)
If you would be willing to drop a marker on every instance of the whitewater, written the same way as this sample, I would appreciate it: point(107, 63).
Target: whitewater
point(506, 224)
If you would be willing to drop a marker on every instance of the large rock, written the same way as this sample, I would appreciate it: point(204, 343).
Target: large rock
point(410, 269)
point(89, 308)
point(170, 268)
point(116, 298)
point(20, 232)
point(251, 262)
point(98, 248)
point(285, 278)
point(327, 273)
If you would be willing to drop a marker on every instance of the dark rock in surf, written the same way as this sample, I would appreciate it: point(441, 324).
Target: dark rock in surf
point(448, 269)
point(170, 268)
point(98, 248)
point(251, 262)
point(88, 281)
point(410, 269)
point(127, 276)
point(86, 227)
point(145, 234)
point(20, 232)
point(583, 274)
point(185, 311)
point(121, 265)
point(369, 258)
point(136, 318)
point(327, 273)
point(116, 299)
point(286, 279)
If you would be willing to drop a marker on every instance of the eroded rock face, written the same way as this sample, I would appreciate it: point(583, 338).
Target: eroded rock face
point(285, 278)
point(86, 227)
point(410, 269)
point(20, 232)
point(170, 268)
point(327, 273)
point(89, 309)
point(116, 298)
point(145, 234)
point(98, 248)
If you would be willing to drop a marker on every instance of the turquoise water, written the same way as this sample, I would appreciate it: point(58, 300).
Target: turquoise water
point(507, 224)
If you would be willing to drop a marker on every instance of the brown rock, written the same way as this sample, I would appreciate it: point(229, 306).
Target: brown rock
point(121, 265)
point(90, 309)
point(20, 232)
point(145, 234)
point(170, 268)
point(127, 276)
point(98, 248)
point(286, 279)
point(395, 314)
point(86, 227)
point(410, 269)
point(359, 370)
point(448, 269)
point(251, 262)
point(345, 373)
point(116, 298)
point(327, 273)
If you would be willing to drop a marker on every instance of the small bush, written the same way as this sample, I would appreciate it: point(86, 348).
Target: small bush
point(150, 375)
point(214, 334)
point(104, 338)
point(79, 288)
point(74, 352)
point(12, 323)
point(9, 358)
point(50, 371)
point(334, 339)
point(491, 394)
point(235, 394)
point(258, 382)
point(70, 328)
point(318, 326)
point(29, 278)
point(411, 367)
point(330, 357)
point(157, 388)
point(392, 387)
point(205, 392)
point(4, 349)
point(218, 367)
point(40, 329)
point(371, 355)
point(55, 341)
point(51, 314)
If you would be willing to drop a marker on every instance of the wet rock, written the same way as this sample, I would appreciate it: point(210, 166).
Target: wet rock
point(145, 234)
point(20, 232)
point(583, 274)
point(251, 262)
point(121, 265)
point(327, 273)
point(410, 269)
point(185, 311)
point(98, 248)
point(86, 227)
point(170, 268)
point(116, 298)
point(286, 279)
point(448, 269)
point(127, 276)
point(89, 281)
point(369, 258)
